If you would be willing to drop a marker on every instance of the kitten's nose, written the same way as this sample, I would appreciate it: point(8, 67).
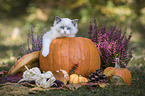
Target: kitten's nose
point(64, 32)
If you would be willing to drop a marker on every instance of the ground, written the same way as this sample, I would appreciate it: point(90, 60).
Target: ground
point(136, 66)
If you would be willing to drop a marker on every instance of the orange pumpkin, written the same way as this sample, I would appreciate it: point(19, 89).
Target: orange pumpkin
point(122, 72)
point(75, 79)
point(65, 52)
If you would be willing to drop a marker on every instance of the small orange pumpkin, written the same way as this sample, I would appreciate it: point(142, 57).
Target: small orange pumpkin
point(65, 52)
point(122, 72)
point(75, 79)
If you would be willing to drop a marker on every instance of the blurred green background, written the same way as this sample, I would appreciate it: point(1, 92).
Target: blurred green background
point(16, 17)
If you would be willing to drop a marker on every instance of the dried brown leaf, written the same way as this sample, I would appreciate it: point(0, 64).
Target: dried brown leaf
point(72, 86)
point(11, 78)
point(102, 85)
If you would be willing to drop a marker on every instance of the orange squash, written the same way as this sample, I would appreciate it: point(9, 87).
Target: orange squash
point(75, 79)
point(65, 52)
point(122, 72)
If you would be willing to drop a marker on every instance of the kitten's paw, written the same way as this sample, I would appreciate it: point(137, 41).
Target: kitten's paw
point(45, 53)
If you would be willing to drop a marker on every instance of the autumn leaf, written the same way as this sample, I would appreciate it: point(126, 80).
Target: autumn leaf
point(93, 86)
point(39, 89)
point(108, 72)
point(35, 89)
point(28, 83)
point(72, 86)
point(3, 73)
point(61, 75)
point(103, 85)
point(11, 78)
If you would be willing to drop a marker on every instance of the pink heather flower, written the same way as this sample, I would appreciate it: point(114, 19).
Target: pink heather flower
point(111, 43)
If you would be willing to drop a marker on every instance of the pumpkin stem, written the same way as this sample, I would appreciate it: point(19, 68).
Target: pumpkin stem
point(117, 63)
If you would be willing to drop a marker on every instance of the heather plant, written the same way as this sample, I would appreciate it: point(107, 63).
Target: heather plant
point(36, 43)
point(111, 43)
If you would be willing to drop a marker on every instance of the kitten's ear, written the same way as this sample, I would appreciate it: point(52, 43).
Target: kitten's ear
point(75, 22)
point(57, 19)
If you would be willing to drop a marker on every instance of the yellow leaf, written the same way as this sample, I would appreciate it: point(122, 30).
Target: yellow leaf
point(109, 72)
point(72, 86)
point(102, 85)
point(39, 89)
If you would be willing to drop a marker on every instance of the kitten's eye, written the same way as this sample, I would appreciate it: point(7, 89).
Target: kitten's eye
point(68, 28)
point(61, 27)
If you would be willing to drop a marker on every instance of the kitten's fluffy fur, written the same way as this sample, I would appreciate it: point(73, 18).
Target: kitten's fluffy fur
point(63, 27)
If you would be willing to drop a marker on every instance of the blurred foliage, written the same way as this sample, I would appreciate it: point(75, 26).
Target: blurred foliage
point(16, 17)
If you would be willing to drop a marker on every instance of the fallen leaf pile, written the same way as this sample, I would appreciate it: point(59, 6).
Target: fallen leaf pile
point(11, 78)
point(72, 86)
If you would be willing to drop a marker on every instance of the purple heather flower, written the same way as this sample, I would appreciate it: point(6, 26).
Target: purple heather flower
point(90, 30)
point(36, 43)
point(44, 30)
point(111, 43)
point(23, 50)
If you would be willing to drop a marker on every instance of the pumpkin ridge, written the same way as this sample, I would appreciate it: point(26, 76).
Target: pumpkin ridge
point(56, 44)
point(51, 59)
point(92, 55)
point(72, 53)
point(70, 56)
point(89, 54)
point(69, 52)
point(96, 52)
point(60, 53)
point(52, 56)
point(85, 56)
point(80, 66)
point(61, 48)
point(77, 58)
point(66, 46)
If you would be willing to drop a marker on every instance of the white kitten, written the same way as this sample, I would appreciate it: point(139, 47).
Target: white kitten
point(63, 27)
